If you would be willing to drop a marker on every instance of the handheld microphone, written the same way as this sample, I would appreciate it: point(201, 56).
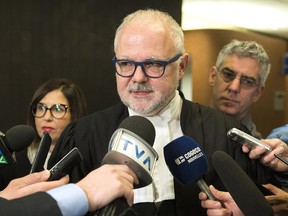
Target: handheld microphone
point(244, 192)
point(187, 162)
point(16, 139)
point(41, 155)
point(131, 144)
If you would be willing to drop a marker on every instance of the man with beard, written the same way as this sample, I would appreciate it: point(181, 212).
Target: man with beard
point(150, 60)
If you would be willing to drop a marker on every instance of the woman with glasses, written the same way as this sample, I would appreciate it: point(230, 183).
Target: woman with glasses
point(55, 104)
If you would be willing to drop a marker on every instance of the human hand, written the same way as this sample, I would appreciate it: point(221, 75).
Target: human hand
point(30, 184)
point(107, 183)
point(223, 206)
point(279, 201)
point(268, 158)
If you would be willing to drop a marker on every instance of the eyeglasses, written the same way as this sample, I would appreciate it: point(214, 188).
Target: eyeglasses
point(151, 68)
point(58, 111)
point(245, 81)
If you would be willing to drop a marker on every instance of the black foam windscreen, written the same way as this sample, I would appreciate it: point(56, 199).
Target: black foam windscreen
point(19, 137)
point(244, 192)
point(140, 126)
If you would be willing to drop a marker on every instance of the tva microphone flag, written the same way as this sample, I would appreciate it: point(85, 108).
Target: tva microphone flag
point(244, 192)
point(131, 144)
point(187, 162)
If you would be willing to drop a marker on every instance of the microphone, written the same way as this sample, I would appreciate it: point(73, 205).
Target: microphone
point(131, 144)
point(41, 155)
point(16, 139)
point(244, 192)
point(187, 162)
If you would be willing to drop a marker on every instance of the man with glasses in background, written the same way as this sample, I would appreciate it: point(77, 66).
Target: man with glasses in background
point(149, 61)
point(238, 80)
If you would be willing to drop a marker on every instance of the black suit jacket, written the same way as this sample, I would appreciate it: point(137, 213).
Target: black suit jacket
point(40, 203)
point(206, 126)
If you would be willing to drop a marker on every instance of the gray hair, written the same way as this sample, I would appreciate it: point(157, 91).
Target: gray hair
point(250, 49)
point(150, 17)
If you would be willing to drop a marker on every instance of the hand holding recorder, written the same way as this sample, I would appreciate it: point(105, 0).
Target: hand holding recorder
point(271, 152)
point(65, 165)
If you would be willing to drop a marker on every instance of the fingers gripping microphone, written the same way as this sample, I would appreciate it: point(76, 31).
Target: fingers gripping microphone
point(16, 139)
point(244, 192)
point(131, 144)
point(187, 162)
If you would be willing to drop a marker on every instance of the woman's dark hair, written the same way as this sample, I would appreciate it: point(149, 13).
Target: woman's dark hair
point(70, 90)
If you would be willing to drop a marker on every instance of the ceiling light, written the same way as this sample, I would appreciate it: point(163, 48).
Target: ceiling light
point(254, 15)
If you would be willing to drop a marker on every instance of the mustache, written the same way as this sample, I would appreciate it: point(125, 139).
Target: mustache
point(140, 87)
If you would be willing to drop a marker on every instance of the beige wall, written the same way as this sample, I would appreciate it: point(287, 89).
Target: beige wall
point(204, 45)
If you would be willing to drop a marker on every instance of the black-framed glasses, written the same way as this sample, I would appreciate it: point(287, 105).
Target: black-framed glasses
point(245, 81)
point(151, 68)
point(58, 111)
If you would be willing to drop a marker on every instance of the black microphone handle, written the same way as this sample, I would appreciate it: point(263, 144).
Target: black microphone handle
point(204, 188)
point(42, 152)
point(115, 208)
point(129, 212)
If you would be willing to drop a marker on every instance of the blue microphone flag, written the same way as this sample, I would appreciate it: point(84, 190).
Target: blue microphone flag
point(185, 159)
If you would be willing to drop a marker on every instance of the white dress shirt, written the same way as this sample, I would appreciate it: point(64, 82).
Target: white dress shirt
point(167, 127)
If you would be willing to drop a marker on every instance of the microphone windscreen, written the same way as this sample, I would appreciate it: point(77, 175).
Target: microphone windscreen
point(185, 159)
point(140, 126)
point(244, 192)
point(19, 137)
